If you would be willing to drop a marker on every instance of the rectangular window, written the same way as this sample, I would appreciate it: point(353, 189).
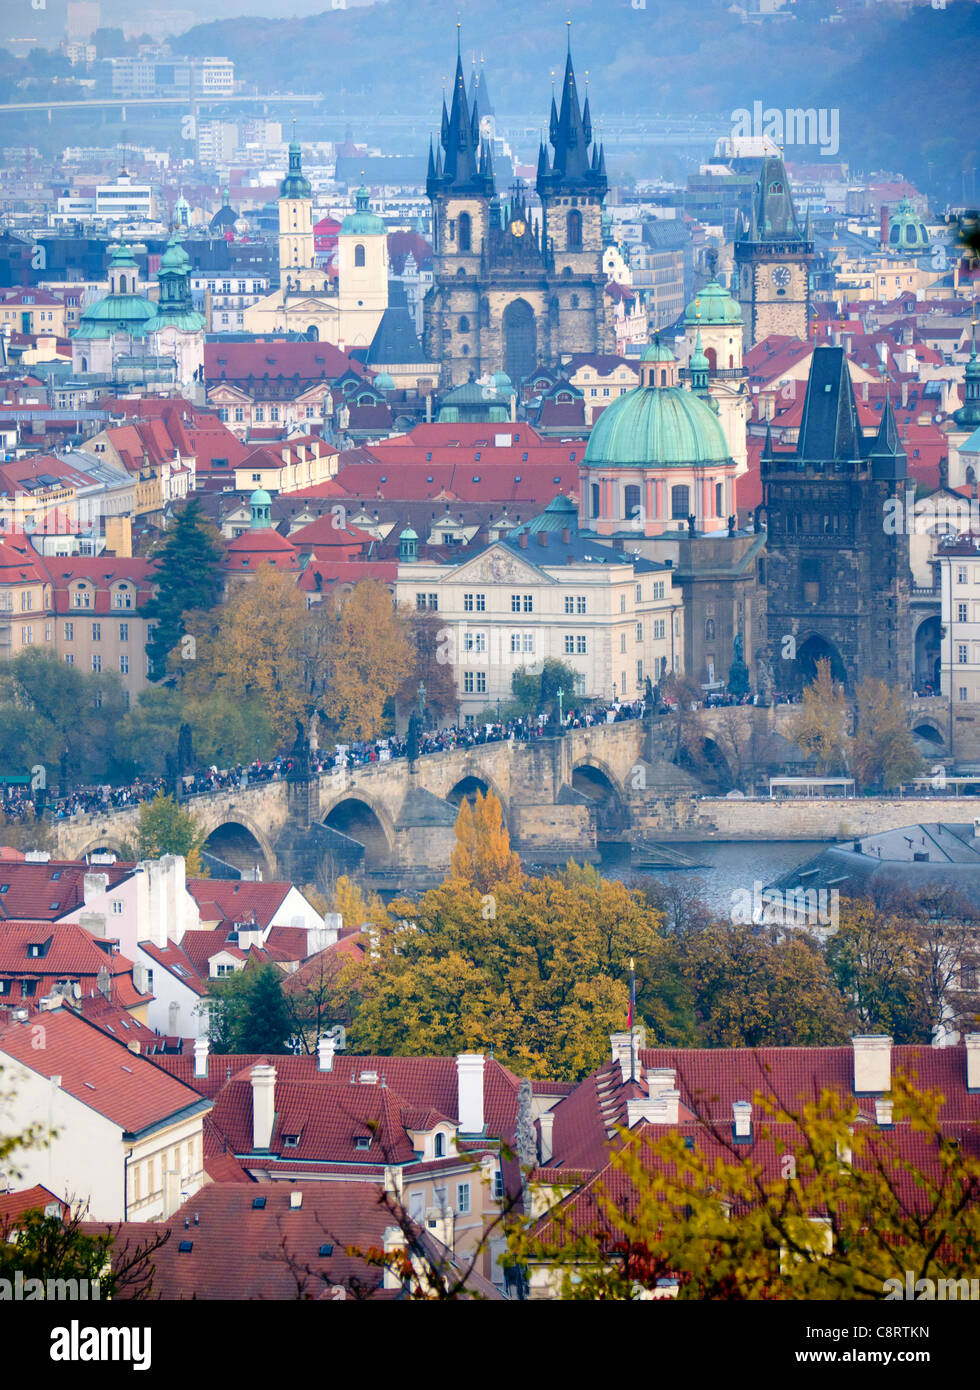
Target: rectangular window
point(69, 659)
point(239, 414)
point(569, 645)
point(961, 575)
point(124, 665)
point(622, 641)
point(96, 632)
point(580, 604)
point(420, 601)
point(96, 663)
point(569, 604)
point(659, 588)
point(26, 601)
point(27, 635)
point(515, 641)
point(497, 1191)
point(639, 593)
point(481, 603)
point(467, 641)
point(467, 603)
point(962, 692)
point(481, 682)
point(639, 632)
point(659, 629)
point(481, 641)
point(122, 598)
point(463, 1198)
point(433, 600)
point(528, 603)
point(961, 613)
point(124, 632)
point(529, 643)
point(580, 646)
point(515, 603)
point(961, 654)
point(639, 673)
point(468, 682)
point(622, 603)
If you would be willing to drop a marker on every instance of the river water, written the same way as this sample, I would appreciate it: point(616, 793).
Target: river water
point(726, 865)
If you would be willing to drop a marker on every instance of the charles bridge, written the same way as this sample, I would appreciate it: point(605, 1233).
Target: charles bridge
point(392, 822)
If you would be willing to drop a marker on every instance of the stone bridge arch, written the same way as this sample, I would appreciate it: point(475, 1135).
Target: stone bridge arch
point(930, 728)
point(594, 778)
point(361, 817)
point(237, 839)
point(108, 844)
point(473, 780)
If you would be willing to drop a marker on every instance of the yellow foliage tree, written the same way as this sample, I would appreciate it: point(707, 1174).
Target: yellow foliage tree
point(356, 657)
point(255, 649)
point(483, 858)
point(819, 729)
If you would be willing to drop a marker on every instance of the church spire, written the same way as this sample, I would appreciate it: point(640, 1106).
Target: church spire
point(570, 134)
point(460, 139)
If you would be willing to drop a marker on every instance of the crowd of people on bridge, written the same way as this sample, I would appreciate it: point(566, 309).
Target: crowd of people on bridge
point(21, 802)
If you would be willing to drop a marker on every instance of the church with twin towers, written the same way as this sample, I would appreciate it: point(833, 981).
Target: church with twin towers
point(510, 291)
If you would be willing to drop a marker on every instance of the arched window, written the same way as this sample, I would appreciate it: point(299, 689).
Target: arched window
point(712, 357)
point(464, 324)
point(595, 499)
point(709, 629)
point(573, 224)
point(680, 502)
point(440, 1146)
point(359, 257)
point(631, 501)
point(464, 231)
point(122, 284)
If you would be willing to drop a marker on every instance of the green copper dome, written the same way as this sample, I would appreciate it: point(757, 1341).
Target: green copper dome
point(713, 305)
point(384, 381)
point(906, 230)
point(655, 426)
point(116, 313)
point(363, 222)
point(295, 184)
point(657, 352)
point(175, 259)
point(502, 383)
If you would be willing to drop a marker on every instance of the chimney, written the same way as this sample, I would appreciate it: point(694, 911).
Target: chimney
point(905, 393)
point(93, 922)
point(263, 1106)
point(295, 1200)
point(566, 536)
point(742, 1121)
point(93, 885)
point(884, 224)
point(872, 1065)
point(661, 1109)
point(523, 540)
point(972, 1041)
point(620, 1044)
point(659, 1079)
point(883, 1112)
point(546, 1123)
point(324, 1053)
point(173, 1018)
point(543, 539)
point(393, 1240)
point(200, 1056)
point(469, 1078)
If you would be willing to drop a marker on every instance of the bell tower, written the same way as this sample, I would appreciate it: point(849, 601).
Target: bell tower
point(772, 258)
point(572, 184)
point(295, 215)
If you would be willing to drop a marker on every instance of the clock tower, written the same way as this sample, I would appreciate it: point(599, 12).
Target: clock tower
point(772, 259)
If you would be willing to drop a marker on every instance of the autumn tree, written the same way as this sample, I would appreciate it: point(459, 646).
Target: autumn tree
point(166, 828)
point(431, 668)
point(323, 993)
point(753, 988)
point(881, 965)
point(357, 656)
point(819, 727)
point(482, 857)
point(816, 1207)
point(187, 579)
point(884, 752)
point(539, 973)
point(252, 651)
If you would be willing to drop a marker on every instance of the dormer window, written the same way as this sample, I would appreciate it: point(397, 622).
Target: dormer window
point(362, 1141)
point(440, 1146)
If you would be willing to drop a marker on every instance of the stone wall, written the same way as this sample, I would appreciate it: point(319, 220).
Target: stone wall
point(826, 818)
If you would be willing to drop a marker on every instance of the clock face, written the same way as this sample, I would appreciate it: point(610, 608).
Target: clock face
point(517, 227)
point(781, 276)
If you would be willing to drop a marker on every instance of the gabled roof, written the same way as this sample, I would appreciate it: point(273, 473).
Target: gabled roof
point(238, 899)
point(100, 1072)
point(44, 892)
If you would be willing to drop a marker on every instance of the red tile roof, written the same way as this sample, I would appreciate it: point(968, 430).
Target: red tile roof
point(237, 361)
point(128, 1090)
point(43, 892)
point(14, 1205)
point(238, 899)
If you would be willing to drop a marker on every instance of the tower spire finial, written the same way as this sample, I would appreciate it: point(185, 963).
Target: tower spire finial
point(568, 32)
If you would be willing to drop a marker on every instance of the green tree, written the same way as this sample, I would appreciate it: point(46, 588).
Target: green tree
point(166, 828)
point(537, 691)
point(751, 990)
point(187, 579)
point(53, 714)
point(248, 1012)
point(880, 965)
